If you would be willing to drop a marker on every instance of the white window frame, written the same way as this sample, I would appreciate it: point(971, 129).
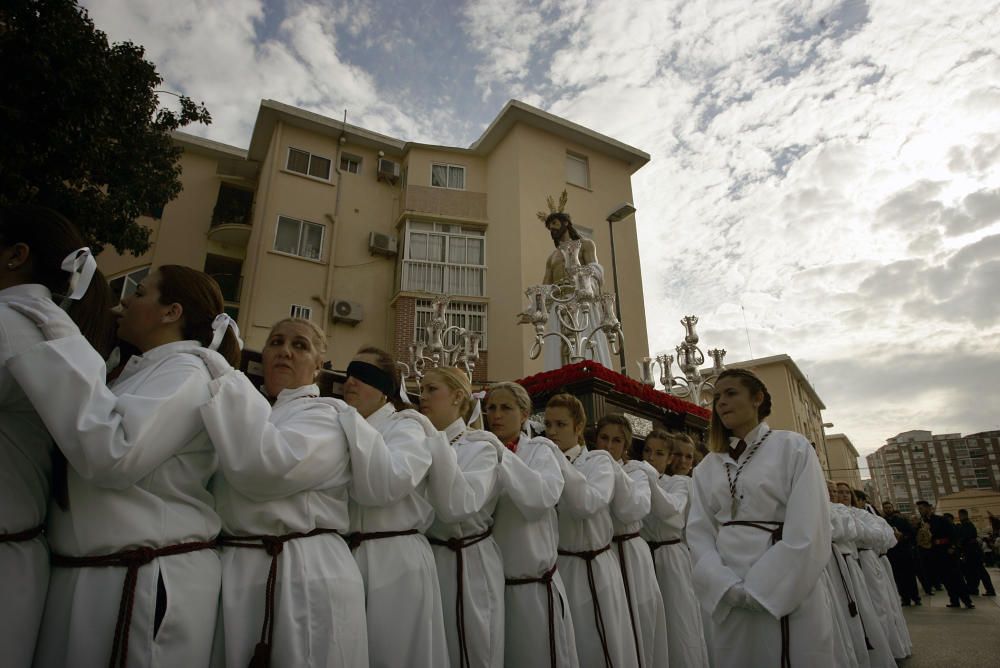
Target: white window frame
point(299, 311)
point(448, 233)
point(288, 168)
point(128, 276)
point(570, 155)
point(459, 313)
point(351, 159)
point(449, 166)
point(302, 223)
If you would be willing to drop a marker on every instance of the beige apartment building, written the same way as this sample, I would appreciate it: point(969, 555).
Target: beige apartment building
point(795, 406)
point(843, 459)
point(358, 231)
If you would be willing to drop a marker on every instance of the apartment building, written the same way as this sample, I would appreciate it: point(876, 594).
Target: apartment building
point(917, 465)
point(795, 406)
point(358, 231)
point(843, 458)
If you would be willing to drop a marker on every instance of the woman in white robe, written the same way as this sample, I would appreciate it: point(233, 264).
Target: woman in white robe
point(759, 531)
point(463, 486)
point(33, 244)
point(594, 585)
point(390, 453)
point(538, 627)
point(283, 481)
point(137, 578)
point(663, 530)
point(874, 538)
point(844, 597)
point(629, 506)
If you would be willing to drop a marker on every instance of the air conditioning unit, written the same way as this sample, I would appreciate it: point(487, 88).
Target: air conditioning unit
point(347, 312)
point(388, 170)
point(381, 244)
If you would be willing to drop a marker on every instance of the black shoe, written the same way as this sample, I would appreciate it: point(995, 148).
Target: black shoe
point(917, 602)
point(970, 606)
point(954, 605)
point(990, 593)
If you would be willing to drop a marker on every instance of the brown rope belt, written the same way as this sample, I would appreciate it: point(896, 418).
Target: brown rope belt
point(273, 545)
point(22, 536)
point(852, 607)
point(546, 579)
point(458, 545)
point(868, 643)
point(775, 529)
point(355, 539)
point(131, 560)
point(588, 557)
point(655, 545)
point(620, 541)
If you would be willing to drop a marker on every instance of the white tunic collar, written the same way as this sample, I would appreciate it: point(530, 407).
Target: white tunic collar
point(292, 393)
point(573, 452)
point(379, 418)
point(453, 430)
point(755, 434)
point(25, 290)
point(159, 352)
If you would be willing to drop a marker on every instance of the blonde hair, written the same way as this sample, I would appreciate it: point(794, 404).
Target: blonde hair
point(520, 395)
point(718, 433)
point(316, 334)
point(618, 421)
point(456, 381)
point(575, 408)
point(662, 435)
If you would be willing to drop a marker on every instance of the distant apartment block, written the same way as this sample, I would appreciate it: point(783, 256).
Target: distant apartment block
point(843, 459)
point(917, 465)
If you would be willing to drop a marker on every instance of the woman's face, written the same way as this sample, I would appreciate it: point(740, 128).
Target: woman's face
point(559, 427)
point(611, 437)
point(657, 453)
point(142, 319)
point(733, 403)
point(439, 402)
point(681, 459)
point(503, 416)
point(290, 358)
point(844, 496)
point(831, 489)
point(365, 398)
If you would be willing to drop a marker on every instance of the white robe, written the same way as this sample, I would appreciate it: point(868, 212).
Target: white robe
point(463, 486)
point(629, 506)
point(665, 522)
point(390, 458)
point(526, 529)
point(585, 525)
point(139, 465)
point(285, 469)
point(843, 586)
point(782, 483)
point(874, 538)
point(25, 469)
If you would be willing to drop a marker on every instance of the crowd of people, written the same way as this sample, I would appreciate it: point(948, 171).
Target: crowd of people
point(159, 509)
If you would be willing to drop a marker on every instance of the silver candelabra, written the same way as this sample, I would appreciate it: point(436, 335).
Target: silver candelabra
point(693, 384)
point(463, 353)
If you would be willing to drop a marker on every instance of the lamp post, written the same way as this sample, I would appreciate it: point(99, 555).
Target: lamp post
point(620, 212)
point(826, 450)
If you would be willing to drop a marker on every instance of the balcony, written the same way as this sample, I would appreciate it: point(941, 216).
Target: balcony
point(232, 216)
point(443, 278)
point(463, 204)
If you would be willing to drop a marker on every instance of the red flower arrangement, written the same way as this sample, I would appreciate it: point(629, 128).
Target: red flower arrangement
point(571, 373)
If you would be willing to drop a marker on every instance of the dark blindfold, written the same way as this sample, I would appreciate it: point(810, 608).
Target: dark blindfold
point(371, 375)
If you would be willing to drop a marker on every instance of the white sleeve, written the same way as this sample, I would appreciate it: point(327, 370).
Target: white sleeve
point(385, 470)
point(585, 495)
point(711, 577)
point(533, 489)
point(456, 493)
point(112, 441)
point(631, 501)
point(669, 502)
point(265, 461)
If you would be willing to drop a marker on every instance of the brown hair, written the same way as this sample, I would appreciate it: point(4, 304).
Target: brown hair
point(50, 237)
point(317, 336)
point(201, 300)
point(575, 408)
point(457, 381)
point(618, 421)
point(681, 438)
point(387, 363)
point(521, 396)
point(718, 434)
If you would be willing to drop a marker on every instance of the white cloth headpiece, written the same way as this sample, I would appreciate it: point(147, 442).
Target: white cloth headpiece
point(81, 266)
point(221, 323)
point(477, 409)
point(402, 392)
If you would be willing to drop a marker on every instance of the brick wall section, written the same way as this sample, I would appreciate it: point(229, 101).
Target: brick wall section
point(402, 336)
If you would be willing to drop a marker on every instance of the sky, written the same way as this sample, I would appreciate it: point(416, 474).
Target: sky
point(825, 174)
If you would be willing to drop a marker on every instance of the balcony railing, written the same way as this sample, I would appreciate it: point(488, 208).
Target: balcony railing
point(445, 279)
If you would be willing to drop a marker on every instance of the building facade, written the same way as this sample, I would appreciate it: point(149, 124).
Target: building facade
point(358, 231)
point(795, 406)
point(917, 465)
point(843, 459)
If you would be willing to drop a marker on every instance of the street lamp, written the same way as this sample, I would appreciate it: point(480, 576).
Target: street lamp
point(620, 212)
point(826, 450)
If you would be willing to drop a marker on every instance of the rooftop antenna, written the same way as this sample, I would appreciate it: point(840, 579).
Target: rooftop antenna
point(746, 329)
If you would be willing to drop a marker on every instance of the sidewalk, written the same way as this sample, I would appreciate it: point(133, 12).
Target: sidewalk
point(955, 638)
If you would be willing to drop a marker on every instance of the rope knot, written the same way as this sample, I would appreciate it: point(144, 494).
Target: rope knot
point(272, 545)
point(140, 556)
point(354, 540)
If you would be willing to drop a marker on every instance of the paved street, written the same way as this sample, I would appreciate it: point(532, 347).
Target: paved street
point(955, 638)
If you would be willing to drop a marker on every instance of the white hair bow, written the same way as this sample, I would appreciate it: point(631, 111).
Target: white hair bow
point(81, 266)
point(221, 323)
point(477, 410)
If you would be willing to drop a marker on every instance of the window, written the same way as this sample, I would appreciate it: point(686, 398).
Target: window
point(226, 272)
point(577, 170)
point(303, 162)
point(444, 259)
point(298, 237)
point(470, 315)
point(303, 312)
point(125, 285)
point(448, 176)
point(350, 163)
